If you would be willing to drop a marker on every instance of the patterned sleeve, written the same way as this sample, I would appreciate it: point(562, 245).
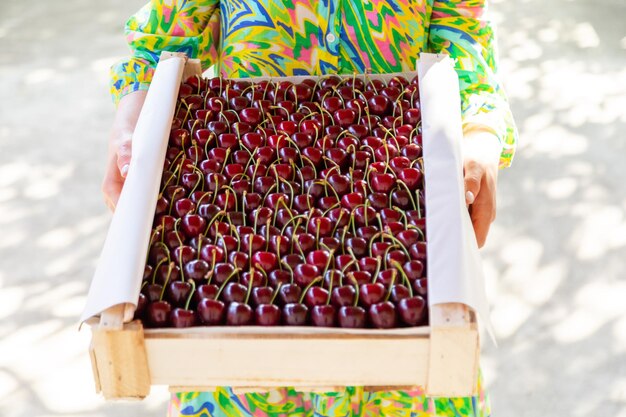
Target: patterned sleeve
point(189, 26)
point(460, 28)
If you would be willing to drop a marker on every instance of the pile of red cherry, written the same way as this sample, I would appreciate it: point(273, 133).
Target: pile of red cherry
point(290, 204)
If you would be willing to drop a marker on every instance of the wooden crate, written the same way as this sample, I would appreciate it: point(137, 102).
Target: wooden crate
point(128, 359)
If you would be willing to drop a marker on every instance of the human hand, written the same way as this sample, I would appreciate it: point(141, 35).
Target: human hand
point(481, 156)
point(120, 146)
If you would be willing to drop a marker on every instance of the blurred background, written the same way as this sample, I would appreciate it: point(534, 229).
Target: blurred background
point(555, 259)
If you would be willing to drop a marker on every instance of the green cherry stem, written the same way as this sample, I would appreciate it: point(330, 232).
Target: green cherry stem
point(306, 289)
point(156, 268)
point(249, 285)
point(232, 274)
point(193, 290)
point(394, 273)
point(167, 280)
point(405, 278)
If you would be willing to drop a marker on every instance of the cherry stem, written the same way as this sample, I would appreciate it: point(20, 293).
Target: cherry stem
point(156, 268)
point(394, 273)
point(193, 289)
point(405, 278)
point(250, 241)
point(180, 266)
point(405, 221)
point(410, 226)
point(228, 151)
point(406, 187)
point(279, 239)
point(356, 288)
point(199, 247)
point(276, 291)
point(250, 282)
point(281, 202)
point(338, 220)
point(335, 164)
point(180, 241)
point(169, 211)
point(380, 221)
point(167, 280)
point(229, 190)
point(289, 268)
point(343, 235)
point(387, 252)
point(267, 234)
point(217, 184)
point(306, 289)
point(346, 266)
point(214, 261)
point(243, 207)
point(217, 216)
point(200, 179)
point(298, 217)
point(262, 272)
point(330, 287)
point(418, 207)
point(232, 274)
point(206, 194)
point(317, 235)
point(397, 242)
point(151, 241)
point(375, 276)
point(290, 192)
point(331, 257)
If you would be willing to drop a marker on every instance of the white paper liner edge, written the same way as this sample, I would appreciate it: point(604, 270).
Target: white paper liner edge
point(120, 268)
point(455, 268)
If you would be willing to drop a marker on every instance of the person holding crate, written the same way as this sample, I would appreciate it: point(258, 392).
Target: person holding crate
point(248, 38)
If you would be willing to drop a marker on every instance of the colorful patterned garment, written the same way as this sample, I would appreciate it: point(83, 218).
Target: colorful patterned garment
point(299, 37)
point(354, 402)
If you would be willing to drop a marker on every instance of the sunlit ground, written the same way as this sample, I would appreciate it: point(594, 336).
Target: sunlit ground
point(555, 258)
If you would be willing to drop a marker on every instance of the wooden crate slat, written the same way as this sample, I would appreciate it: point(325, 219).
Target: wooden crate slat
point(272, 362)
point(120, 364)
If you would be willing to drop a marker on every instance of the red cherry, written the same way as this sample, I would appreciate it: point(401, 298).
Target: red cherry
point(383, 315)
point(351, 317)
point(267, 315)
point(382, 183)
point(265, 260)
point(158, 313)
point(371, 294)
point(239, 314)
point(323, 316)
point(345, 117)
point(295, 314)
point(412, 310)
point(289, 293)
point(343, 296)
point(181, 318)
point(413, 269)
point(316, 296)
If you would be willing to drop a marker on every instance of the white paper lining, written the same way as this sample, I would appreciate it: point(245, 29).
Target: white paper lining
point(119, 271)
point(455, 268)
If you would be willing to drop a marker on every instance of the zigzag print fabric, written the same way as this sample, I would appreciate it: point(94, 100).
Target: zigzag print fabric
point(244, 38)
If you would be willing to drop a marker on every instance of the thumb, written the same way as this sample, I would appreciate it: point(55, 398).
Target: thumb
point(472, 179)
point(124, 152)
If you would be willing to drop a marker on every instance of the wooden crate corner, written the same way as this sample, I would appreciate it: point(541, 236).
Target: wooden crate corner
point(119, 361)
